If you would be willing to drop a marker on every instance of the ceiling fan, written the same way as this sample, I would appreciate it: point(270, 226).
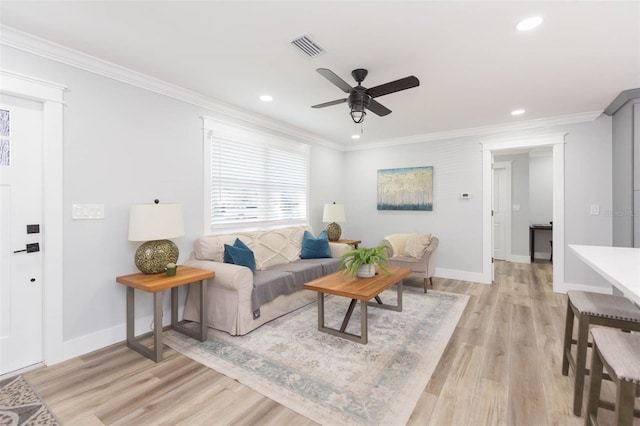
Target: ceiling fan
point(360, 98)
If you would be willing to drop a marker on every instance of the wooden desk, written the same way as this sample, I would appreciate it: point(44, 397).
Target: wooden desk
point(532, 235)
point(156, 283)
point(618, 265)
point(353, 243)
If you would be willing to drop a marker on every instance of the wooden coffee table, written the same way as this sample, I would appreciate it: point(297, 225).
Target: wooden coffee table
point(362, 289)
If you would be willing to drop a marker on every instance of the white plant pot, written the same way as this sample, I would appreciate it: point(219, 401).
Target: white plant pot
point(366, 271)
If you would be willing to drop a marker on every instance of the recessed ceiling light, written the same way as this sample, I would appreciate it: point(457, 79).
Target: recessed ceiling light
point(356, 136)
point(529, 23)
point(266, 98)
point(517, 112)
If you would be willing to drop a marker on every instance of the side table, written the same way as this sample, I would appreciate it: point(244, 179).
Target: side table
point(353, 243)
point(156, 283)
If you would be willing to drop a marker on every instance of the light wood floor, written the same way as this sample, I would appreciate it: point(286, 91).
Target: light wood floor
point(502, 367)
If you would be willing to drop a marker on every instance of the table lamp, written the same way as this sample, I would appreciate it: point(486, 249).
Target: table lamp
point(333, 213)
point(154, 223)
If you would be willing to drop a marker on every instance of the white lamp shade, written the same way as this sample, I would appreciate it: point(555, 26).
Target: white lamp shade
point(334, 213)
point(149, 222)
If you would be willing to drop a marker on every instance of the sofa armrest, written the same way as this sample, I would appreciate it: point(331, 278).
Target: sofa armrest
point(338, 249)
point(433, 245)
point(387, 245)
point(429, 256)
point(229, 276)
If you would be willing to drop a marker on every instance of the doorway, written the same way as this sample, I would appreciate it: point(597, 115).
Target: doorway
point(501, 210)
point(50, 96)
point(20, 220)
point(556, 142)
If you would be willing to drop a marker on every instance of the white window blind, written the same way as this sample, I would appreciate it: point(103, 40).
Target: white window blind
point(257, 180)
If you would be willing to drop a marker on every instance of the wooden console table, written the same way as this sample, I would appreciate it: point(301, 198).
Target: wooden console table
point(353, 243)
point(156, 283)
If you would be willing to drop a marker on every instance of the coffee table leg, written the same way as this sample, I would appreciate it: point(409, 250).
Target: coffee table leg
point(347, 316)
point(320, 311)
point(363, 322)
point(397, 307)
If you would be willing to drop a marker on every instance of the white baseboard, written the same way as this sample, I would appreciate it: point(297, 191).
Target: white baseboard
point(103, 338)
point(541, 255)
point(518, 258)
point(454, 274)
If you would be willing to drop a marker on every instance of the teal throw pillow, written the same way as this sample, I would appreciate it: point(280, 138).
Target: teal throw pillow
point(314, 248)
point(240, 254)
point(239, 244)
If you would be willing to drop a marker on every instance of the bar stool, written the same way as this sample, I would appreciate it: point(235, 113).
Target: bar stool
point(619, 353)
point(592, 309)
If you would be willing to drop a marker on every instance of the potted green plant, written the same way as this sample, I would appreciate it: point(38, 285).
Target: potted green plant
point(361, 262)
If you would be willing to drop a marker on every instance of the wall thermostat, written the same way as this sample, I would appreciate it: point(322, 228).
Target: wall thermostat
point(465, 195)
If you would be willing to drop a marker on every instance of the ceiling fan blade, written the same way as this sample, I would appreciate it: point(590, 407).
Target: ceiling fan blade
point(326, 104)
point(378, 109)
point(394, 86)
point(332, 77)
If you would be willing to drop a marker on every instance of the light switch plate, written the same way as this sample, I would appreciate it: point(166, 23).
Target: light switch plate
point(87, 211)
point(595, 209)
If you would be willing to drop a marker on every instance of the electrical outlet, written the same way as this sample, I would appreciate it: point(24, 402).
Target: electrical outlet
point(595, 209)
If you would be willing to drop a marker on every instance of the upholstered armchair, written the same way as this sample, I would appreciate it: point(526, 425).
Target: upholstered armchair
point(414, 251)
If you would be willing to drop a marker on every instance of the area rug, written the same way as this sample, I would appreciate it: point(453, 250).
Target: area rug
point(331, 380)
point(20, 405)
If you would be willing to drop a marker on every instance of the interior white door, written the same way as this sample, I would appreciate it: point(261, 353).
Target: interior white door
point(20, 210)
point(499, 201)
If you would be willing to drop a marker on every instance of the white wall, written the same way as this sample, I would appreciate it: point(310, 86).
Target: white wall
point(541, 200)
point(541, 189)
point(457, 167)
point(126, 145)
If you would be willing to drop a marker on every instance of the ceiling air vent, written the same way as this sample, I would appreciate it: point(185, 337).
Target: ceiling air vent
point(307, 47)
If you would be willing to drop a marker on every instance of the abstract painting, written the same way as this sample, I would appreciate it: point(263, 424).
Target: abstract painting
point(408, 188)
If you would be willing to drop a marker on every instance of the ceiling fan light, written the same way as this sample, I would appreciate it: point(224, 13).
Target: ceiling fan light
point(357, 116)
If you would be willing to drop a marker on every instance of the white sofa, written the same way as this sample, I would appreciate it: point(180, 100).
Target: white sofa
point(229, 294)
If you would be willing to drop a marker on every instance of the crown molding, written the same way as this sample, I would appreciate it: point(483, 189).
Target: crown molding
point(621, 100)
point(482, 131)
point(47, 49)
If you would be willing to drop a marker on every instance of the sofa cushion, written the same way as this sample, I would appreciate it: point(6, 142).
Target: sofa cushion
point(417, 244)
point(302, 272)
point(272, 247)
point(329, 265)
point(240, 256)
point(398, 243)
point(267, 285)
point(314, 248)
point(277, 246)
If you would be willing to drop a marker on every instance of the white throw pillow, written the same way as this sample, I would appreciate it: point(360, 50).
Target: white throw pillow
point(398, 243)
point(417, 244)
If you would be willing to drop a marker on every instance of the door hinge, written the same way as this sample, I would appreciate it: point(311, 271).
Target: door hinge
point(492, 259)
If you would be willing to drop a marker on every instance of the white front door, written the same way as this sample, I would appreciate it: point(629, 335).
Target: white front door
point(499, 201)
point(21, 233)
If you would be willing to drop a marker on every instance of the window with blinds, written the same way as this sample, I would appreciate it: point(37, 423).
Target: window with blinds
point(257, 180)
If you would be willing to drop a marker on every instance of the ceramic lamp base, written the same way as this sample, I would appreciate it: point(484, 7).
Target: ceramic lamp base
point(334, 231)
point(152, 257)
